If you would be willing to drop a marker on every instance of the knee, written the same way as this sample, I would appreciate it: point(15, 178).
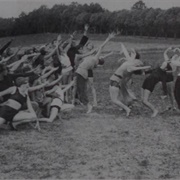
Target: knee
point(144, 101)
point(114, 100)
point(2, 121)
point(33, 116)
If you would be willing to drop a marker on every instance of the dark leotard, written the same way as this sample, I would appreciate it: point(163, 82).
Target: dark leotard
point(7, 112)
point(157, 75)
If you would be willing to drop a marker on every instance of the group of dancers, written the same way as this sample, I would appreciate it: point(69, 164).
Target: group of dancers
point(40, 83)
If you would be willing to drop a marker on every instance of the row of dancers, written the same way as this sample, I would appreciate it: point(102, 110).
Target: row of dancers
point(44, 81)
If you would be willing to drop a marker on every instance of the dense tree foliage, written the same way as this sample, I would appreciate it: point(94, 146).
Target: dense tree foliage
point(140, 20)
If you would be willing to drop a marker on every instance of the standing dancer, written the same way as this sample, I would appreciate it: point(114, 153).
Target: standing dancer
point(89, 62)
point(170, 69)
point(157, 75)
point(119, 80)
point(176, 63)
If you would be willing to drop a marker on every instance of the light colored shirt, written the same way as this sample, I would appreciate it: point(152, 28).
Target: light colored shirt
point(89, 62)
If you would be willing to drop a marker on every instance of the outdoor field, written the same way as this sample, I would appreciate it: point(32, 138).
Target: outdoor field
point(104, 144)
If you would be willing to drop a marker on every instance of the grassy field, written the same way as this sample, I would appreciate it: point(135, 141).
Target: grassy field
point(105, 144)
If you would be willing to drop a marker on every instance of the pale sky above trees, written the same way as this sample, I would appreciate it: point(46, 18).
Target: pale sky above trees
point(12, 8)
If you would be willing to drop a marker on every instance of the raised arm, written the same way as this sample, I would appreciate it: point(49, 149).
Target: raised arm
point(49, 73)
point(176, 49)
point(15, 65)
point(124, 50)
point(69, 44)
point(53, 83)
point(68, 86)
point(111, 35)
point(80, 56)
point(5, 46)
point(35, 88)
point(166, 58)
point(5, 60)
point(86, 27)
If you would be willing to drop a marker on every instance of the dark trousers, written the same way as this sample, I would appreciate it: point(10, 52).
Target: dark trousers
point(82, 89)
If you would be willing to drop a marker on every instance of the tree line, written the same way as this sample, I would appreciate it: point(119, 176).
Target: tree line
point(139, 21)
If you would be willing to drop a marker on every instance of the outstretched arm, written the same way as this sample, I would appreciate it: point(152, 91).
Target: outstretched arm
point(132, 68)
point(111, 35)
point(80, 56)
point(49, 73)
point(53, 83)
point(7, 91)
point(124, 50)
point(5, 46)
point(5, 60)
point(176, 49)
point(68, 86)
point(35, 88)
point(107, 55)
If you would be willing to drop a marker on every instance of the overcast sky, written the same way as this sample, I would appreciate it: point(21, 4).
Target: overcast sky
point(12, 8)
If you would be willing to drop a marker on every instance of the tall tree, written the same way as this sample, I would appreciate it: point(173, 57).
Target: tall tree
point(140, 5)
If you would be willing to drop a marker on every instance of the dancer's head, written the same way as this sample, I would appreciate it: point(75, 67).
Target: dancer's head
point(23, 83)
point(101, 61)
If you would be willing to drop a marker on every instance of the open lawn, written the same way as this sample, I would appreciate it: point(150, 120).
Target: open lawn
point(104, 144)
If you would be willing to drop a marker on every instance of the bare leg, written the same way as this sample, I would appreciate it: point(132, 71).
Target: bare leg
point(146, 93)
point(2, 121)
point(53, 115)
point(24, 117)
point(90, 107)
point(114, 93)
point(170, 88)
point(93, 90)
point(2, 125)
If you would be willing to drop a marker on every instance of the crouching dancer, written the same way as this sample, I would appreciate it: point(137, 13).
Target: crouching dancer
point(10, 111)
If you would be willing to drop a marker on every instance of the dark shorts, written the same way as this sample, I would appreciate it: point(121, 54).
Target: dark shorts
point(114, 84)
point(90, 73)
point(57, 103)
point(177, 91)
point(8, 113)
point(82, 89)
point(170, 78)
point(150, 83)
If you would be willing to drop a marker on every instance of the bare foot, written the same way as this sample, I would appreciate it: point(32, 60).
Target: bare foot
point(89, 109)
point(154, 113)
point(95, 104)
point(128, 112)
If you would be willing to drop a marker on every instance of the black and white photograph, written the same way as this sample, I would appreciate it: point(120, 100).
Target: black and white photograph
point(90, 89)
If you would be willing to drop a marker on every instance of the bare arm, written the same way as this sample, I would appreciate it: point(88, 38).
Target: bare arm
point(132, 68)
point(86, 27)
point(49, 73)
point(7, 91)
point(111, 35)
point(68, 45)
point(105, 56)
point(68, 86)
point(34, 88)
point(15, 65)
point(53, 83)
point(166, 58)
point(51, 91)
point(8, 58)
point(124, 50)
point(80, 56)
